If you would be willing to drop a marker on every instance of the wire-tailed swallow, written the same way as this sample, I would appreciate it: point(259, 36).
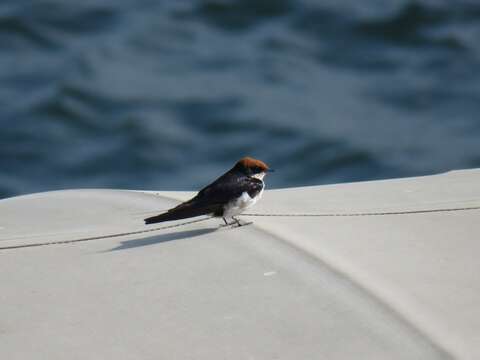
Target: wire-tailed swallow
point(232, 193)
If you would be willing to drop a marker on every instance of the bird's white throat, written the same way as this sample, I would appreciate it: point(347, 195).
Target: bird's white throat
point(259, 176)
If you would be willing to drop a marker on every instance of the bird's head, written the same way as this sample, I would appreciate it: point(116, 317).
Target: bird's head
point(252, 167)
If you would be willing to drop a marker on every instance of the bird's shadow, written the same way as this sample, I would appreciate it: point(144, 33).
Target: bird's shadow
point(130, 244)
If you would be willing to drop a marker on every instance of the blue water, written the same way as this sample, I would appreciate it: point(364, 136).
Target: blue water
point(169, 94)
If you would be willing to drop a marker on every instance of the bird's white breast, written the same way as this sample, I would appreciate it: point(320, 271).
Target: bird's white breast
point(241, 203)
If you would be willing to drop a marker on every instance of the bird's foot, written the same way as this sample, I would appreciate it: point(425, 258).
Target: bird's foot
point(236, 222)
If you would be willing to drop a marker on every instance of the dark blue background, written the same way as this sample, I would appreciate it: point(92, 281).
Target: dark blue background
point(169, 94)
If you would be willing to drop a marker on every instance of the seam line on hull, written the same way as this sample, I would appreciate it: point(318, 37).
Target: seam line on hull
point(100, 237)
point(380, 213)
point(383, 213)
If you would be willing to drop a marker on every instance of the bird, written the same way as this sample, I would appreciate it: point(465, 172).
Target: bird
point(229, 195)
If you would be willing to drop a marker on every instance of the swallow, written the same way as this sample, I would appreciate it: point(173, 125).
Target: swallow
point(231, 194)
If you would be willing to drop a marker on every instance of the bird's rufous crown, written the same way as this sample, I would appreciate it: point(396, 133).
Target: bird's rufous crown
point(251, 163)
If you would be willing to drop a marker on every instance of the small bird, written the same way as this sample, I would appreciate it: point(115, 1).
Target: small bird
point(232, 193)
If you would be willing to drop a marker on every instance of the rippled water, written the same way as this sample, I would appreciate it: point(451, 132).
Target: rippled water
point(169, 94)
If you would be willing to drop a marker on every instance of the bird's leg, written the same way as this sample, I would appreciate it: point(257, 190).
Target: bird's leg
point(226, 222)
point(236, 221)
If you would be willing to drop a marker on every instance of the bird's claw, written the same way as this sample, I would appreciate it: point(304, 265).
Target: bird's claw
point(235, 223)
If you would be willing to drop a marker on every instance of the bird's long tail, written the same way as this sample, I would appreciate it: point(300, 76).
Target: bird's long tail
point(182, 211)
point(168, 216)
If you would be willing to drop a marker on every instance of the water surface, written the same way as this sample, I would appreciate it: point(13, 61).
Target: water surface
point(169, 94)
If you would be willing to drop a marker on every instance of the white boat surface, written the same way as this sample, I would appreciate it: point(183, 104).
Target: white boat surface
point(371, 270)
